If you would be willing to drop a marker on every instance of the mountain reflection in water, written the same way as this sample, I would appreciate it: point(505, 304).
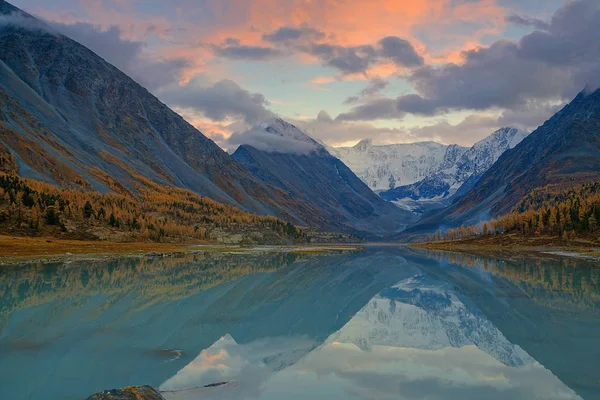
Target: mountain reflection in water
point(416, 339)
point(386, 323)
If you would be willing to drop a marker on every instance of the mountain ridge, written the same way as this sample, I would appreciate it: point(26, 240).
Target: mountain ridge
point(383, 167)
point(321, 180)
point(70, 118)
point(564, 151)
point(453, 180)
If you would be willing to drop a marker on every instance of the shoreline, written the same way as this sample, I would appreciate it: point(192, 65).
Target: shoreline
point(28, 250)
point(506, 246)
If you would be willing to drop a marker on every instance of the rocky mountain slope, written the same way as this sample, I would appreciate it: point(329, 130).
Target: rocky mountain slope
point(290, 160)
point(70, 118)
point(389, 166)
point(457, 178)
point(563, 152)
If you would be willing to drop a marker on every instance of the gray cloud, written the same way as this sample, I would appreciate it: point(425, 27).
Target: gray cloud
point(234, 50)
point(222, 100)
point(550, 65)
point(293, 34)
point(358, 59)
point(352, 100)
point(23, 20)
point(336, 132)
point(399, 51)
point(376, 85)
point(265, 141)
point(497, 76)
point(415, 104)
point(349, 60)
point(530, 116)
point(379, 108)
point(473, 128)
point(527, 21)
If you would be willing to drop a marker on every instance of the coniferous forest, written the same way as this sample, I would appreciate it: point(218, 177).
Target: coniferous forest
point(547, 211)
point(154, 212)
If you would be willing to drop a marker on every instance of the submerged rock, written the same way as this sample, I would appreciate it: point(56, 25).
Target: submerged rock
point(128, 393)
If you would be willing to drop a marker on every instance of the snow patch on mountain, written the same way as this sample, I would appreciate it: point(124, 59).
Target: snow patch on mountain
point(459, 177)
point(276, 136)
point(384, 167)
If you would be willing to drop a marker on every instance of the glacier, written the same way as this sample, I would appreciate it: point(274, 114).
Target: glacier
point(389, 166)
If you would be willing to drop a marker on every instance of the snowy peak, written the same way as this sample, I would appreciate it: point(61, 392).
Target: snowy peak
point(281, 155)
point(514, 135)
point(384, 167)
point(459, 172)
point(278, 136)
point(363, 145)
point(501, 140)
point(486, 152)
point(279, 127)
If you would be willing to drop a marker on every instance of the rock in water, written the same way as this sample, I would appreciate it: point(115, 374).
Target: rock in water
point(128, 393)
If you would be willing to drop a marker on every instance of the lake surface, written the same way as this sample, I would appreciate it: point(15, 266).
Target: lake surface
point(386, 323)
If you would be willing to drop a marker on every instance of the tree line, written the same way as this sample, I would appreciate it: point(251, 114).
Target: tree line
point(155, 212)
point(546, 211)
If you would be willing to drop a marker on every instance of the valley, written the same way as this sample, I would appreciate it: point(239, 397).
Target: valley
point(265, 199)
point(87, 153)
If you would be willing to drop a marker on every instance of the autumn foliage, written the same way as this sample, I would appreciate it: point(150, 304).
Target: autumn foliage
point(153, 212)
point(546, 211)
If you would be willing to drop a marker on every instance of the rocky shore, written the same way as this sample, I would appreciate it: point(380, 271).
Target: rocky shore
point(128, 393)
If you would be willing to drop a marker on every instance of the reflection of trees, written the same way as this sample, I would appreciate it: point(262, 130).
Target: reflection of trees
point(542, 278)
point(151, 279)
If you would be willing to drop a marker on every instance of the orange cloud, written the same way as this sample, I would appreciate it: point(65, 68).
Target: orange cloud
point(323, 80)
point(439, 30)
point(430, 25)
point(358, 22)
point(212, 129)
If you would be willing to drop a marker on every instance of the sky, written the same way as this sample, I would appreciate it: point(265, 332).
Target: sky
point(394, 71)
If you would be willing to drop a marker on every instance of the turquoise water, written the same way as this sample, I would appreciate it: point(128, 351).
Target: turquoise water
point(386, 323)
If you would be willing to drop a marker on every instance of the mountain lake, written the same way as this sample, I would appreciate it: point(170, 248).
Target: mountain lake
point(383, 323)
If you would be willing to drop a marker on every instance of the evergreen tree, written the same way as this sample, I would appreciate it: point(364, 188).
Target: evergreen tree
point(88, 211)
point(51, 217)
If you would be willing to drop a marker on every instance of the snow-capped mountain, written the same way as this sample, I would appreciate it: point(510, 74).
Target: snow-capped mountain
point(389, 166)
point(563, 150)
point(282, 156)
point(458, 178)
point(278, 136)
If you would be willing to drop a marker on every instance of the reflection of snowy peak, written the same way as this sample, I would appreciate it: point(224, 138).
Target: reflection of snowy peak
point(459, 177)
point(388, 166)
point(423, 314)
point(249, 363)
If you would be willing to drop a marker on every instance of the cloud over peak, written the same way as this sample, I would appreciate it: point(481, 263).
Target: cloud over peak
point(219, 101)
